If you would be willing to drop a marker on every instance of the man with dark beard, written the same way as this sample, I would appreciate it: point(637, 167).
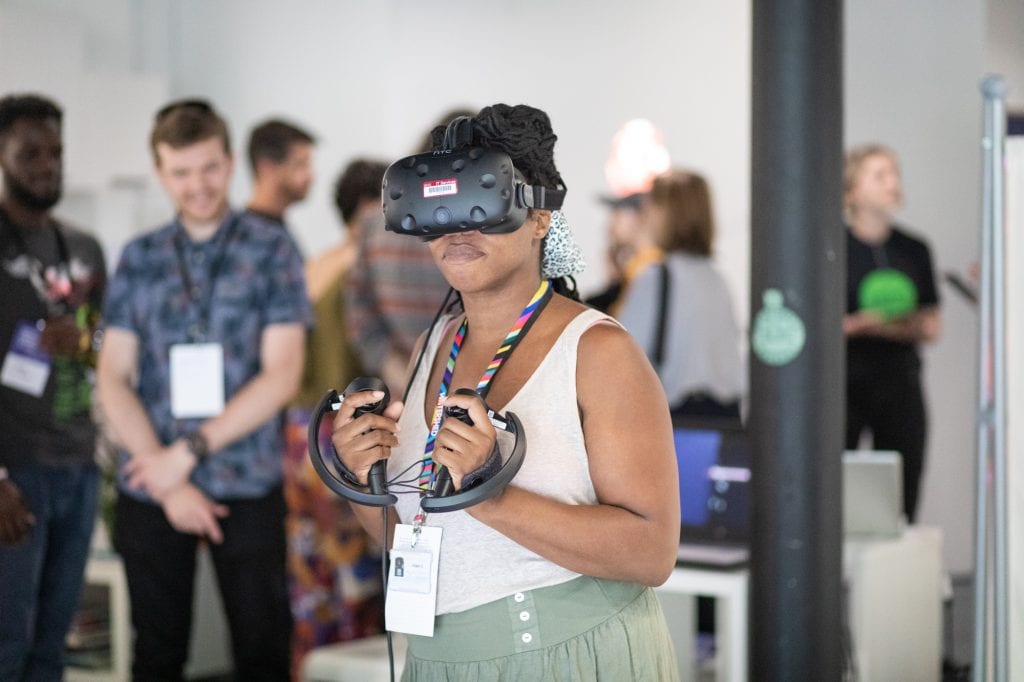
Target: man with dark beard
point(281, 161)
point(52, 278)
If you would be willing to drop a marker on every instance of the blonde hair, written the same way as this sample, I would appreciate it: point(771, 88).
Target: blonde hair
point(689, 223)
point(854, 161)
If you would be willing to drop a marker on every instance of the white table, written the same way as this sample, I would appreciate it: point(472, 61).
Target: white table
point(730, 589)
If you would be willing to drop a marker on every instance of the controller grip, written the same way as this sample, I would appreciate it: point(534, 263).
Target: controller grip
point(377, 478)
point(443, 485)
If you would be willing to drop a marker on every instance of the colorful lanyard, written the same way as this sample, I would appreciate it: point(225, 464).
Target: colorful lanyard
point(514, 336)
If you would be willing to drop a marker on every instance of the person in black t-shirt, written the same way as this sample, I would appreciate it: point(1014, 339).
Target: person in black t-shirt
point(892, 307)
point(52, 279)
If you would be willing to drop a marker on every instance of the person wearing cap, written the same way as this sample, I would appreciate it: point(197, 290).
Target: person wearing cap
point(623, 216)
point(551, 578)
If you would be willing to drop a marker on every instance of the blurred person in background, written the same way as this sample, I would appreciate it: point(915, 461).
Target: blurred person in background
point(205, 322)
point(678, 305)
point(52, 277)
point(333, 569)
point(638, 155)
point(281, 161)
point(892, 307)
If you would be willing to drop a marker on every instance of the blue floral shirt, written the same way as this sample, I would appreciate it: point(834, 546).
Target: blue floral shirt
point(247, 276)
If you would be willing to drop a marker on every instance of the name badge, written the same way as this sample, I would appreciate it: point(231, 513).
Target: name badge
point(411, 600)
point(26, 367)
point(197, 380)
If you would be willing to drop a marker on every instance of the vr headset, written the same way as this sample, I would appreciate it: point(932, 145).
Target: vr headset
point(459, 190)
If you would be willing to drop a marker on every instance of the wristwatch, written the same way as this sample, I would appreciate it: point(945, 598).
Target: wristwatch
point(197, 444)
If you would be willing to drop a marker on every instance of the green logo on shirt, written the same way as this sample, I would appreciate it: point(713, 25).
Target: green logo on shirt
point(888, 292)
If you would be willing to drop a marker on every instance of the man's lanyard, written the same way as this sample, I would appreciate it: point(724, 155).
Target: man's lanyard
point(61, 289)
point(526, 319)
point(198, 330)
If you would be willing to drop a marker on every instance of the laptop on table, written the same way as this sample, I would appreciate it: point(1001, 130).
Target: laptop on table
point(713, 457)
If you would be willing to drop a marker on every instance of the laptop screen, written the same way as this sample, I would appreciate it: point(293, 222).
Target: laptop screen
point(714, 482)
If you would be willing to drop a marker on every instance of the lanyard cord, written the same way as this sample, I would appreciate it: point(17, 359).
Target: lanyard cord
point(522, 325)
point(198, 330)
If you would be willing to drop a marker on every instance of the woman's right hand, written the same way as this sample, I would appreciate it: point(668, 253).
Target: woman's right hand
point(360, 442)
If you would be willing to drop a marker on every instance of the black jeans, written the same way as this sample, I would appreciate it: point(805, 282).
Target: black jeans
point(250, 566)
point(892, 408)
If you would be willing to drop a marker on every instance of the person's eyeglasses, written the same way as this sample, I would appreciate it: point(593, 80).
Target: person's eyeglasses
point(199, 104)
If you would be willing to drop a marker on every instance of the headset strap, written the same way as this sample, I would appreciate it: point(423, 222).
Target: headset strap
point(535, 196)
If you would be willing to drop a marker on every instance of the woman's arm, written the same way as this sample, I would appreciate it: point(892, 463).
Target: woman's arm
point(633, 532)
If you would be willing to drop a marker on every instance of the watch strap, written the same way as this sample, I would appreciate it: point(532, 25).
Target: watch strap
point(197, 444)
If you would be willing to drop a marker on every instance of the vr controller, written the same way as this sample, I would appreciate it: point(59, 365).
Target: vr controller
point(442, 497)
point(470, 188)
point(443, 485)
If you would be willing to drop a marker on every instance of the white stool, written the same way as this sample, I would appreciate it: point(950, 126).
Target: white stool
point(360, 660)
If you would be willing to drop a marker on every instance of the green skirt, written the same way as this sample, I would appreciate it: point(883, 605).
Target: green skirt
point(582, 630)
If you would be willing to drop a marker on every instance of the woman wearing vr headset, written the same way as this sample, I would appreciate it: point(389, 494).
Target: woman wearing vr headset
point(551, 578)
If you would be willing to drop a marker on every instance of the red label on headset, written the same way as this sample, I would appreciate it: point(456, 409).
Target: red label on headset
point(440, 188)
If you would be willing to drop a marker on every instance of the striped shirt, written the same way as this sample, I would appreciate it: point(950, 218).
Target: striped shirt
point(394, 290)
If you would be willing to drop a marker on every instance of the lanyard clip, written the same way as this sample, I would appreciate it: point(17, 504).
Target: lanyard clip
point(417, 526)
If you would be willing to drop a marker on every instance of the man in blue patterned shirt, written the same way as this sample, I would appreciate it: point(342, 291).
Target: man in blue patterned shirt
point(204, 345)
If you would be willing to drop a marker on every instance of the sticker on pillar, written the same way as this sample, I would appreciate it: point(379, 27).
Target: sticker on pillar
point(888, 292)
point(779, 333)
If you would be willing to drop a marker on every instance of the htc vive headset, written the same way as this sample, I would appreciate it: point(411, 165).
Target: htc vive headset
point(459, 190)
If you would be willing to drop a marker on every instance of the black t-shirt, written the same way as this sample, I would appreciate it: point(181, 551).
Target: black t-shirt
point(46, 273)
point(893, 278)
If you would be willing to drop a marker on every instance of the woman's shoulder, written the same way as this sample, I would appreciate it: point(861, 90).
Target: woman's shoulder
point(570, 321)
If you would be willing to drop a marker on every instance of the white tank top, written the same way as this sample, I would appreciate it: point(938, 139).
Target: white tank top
point(477, 563)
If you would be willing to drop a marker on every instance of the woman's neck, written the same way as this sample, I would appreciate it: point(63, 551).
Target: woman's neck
point(871, 227)
point(492, 313)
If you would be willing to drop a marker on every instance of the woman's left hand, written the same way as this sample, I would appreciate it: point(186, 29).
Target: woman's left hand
point(460, 447)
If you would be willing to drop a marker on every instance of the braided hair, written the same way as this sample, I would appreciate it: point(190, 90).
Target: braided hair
point(525, 134)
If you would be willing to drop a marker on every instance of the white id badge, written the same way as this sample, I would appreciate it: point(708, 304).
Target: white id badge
point(26, 367)
point(197, 380)
point(412, 581)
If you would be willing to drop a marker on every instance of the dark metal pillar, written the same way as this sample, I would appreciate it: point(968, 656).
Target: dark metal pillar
point(797, 377)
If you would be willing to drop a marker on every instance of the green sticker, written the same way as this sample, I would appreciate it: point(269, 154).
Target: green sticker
point(779, 333)
point(887, 292)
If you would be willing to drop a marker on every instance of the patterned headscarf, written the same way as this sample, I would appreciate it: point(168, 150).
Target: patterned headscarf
point(562, 256)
